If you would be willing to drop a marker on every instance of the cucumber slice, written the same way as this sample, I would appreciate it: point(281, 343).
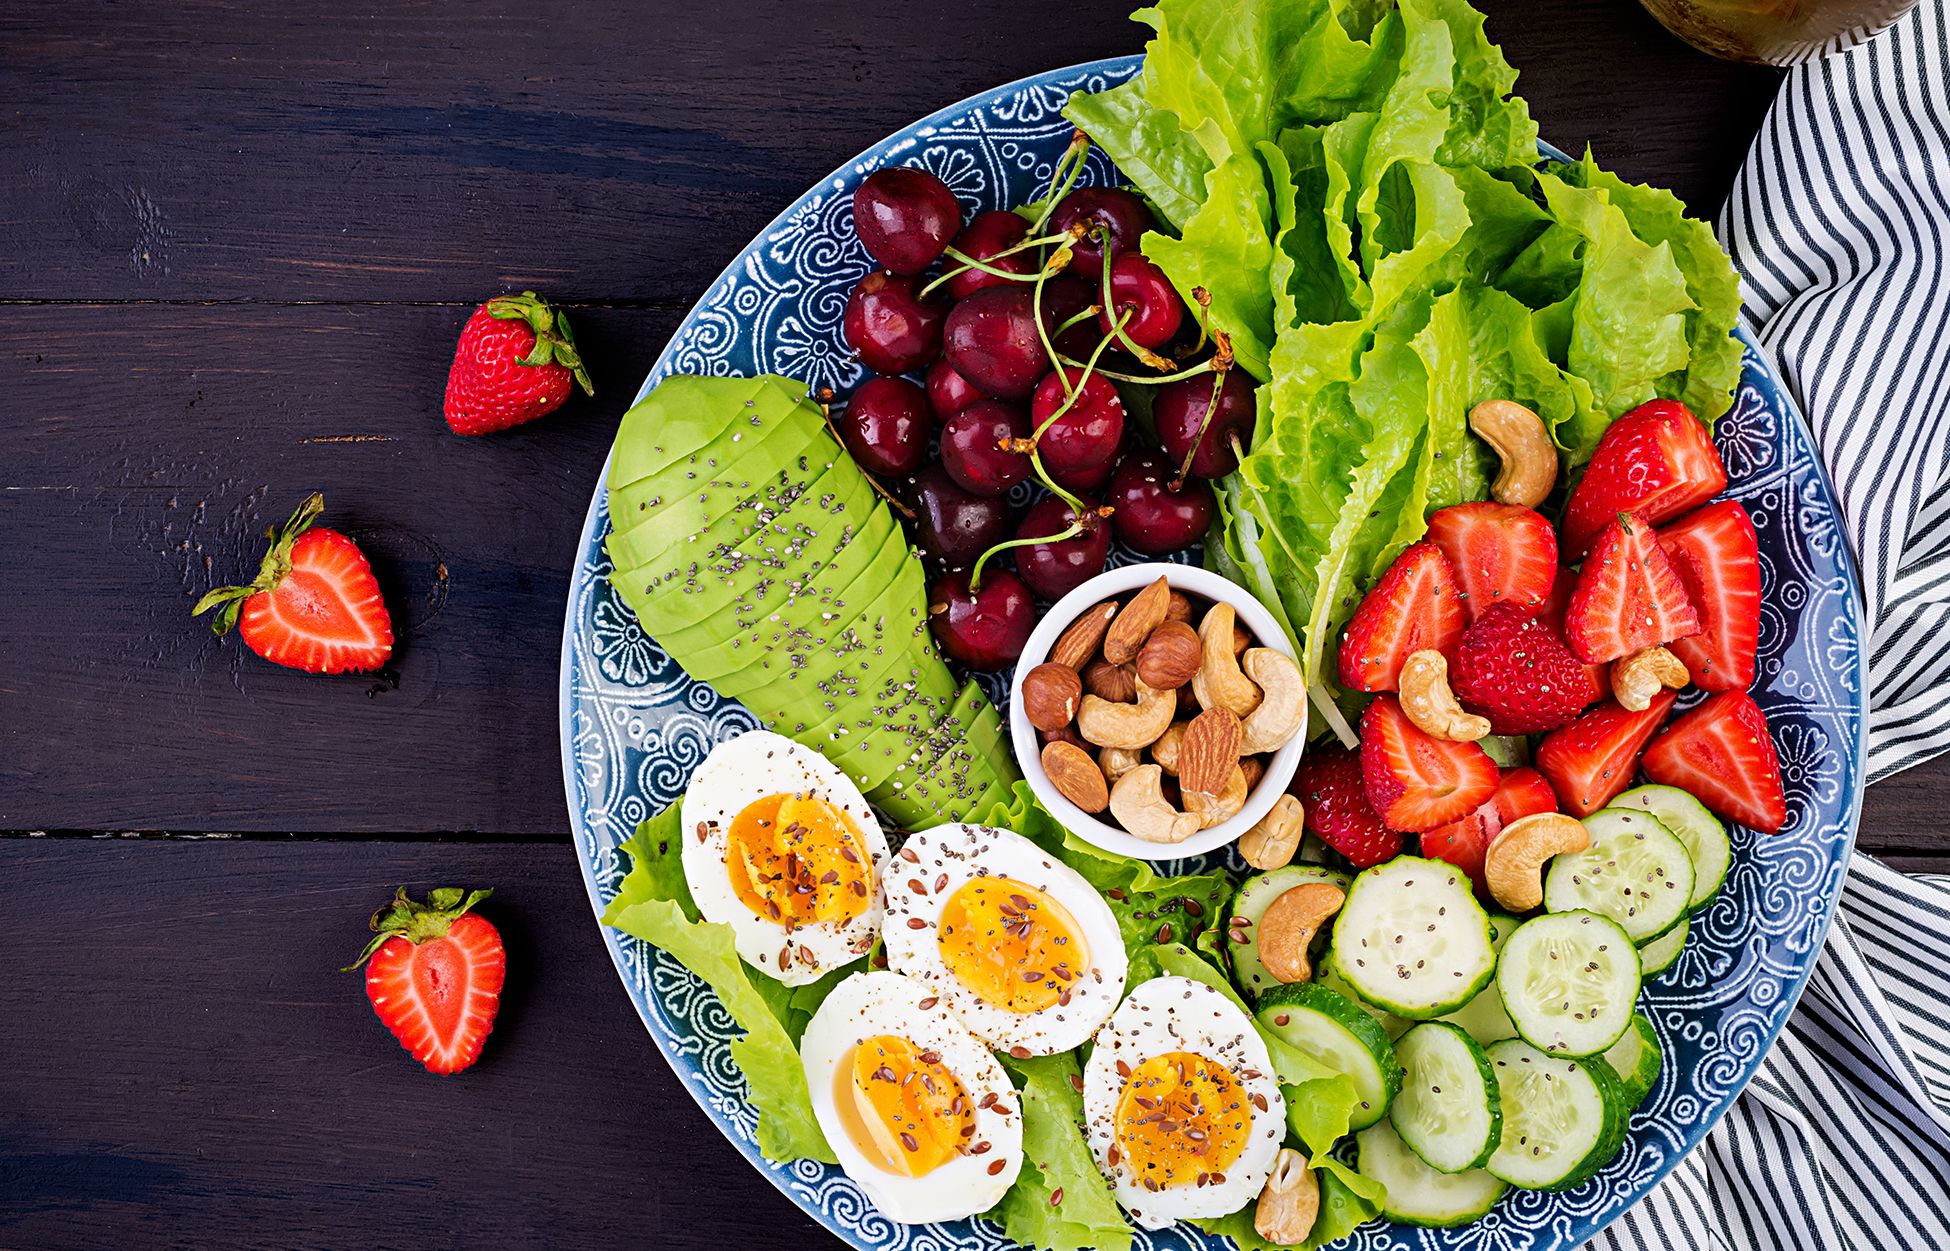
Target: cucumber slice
point(1448, 1110)
point(1636, 872)
point(1330, 977)
point(1417, 1194)
point(1563, 1120)
point(1636, 1057)
point(1569, 980)
point(1662, 952)
point(1338, 1034)
point(1509, 751)
point(1249, 904)
point(1411, 938)
point(1690, 822)
point(1483, 1017)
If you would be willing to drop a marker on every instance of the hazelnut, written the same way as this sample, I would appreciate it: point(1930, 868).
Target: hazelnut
point(1188, 705)
point(1179, 607)
point(1169, 657)
point(1050, 693)
point(1068, 734)
point(1110, 682)
point(1254, 768)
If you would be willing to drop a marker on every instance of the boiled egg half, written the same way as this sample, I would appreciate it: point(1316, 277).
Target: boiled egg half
point(1180, 1104)
point(1019, 945)
point(782, 847)
point(918, 1111)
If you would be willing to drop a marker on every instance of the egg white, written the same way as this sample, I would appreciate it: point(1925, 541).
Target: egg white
point(935, 863)
point(1169, 1014)
point(866, 1005)
point(737, 772)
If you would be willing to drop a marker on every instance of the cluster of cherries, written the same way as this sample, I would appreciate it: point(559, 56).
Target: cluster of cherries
point(1023, 332)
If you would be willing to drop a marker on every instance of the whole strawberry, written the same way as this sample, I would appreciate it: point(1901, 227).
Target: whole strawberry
point(515, 362)
point(435, 975)
point(1334, 803)
point(1512, 669)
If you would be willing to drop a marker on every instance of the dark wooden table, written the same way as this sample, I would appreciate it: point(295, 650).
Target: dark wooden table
point(236, 244)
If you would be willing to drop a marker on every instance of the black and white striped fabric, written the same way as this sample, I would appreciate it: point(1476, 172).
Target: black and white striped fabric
point(1840, 226)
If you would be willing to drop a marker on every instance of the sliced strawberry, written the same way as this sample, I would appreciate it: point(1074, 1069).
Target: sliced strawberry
point(1519, 793)
point(314, 605)
point(1334, 801)
point(1510, 668)
point(1656, 461)
point(1717, 556)
point(1722, 754)
point(1552, 616)
point(1414, 606)
point(1415, 781)
point(1629, 597)
point(435, 976)
point(1591, 760)
point(1502, 554)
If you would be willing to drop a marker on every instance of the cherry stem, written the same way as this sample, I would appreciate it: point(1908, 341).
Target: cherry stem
point(1136, 349)
point(989, 267)
point(975, 574)
point(1150, 380)
point(1221, 363)
point(1069, 167)
point(1042, 332)
point(1202, 298)
point(824, 398)
point(1088, 314)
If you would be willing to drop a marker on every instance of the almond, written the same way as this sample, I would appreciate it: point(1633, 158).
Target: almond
point(1209, 752)
point(1135, 622)
point(1049, 695)
point(1076, 776)
point(1078, 644)
point(1110, 682)
point(1169, 657)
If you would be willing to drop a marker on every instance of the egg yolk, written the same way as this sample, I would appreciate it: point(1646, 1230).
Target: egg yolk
point(1181, 1119)
point(797, 859)
point(903, 1110)
point(1015, 947)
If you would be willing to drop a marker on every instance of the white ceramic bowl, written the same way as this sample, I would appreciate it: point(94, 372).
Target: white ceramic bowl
point(1112, 584)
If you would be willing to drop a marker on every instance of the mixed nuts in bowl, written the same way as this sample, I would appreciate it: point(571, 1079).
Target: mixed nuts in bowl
point(1158, 713)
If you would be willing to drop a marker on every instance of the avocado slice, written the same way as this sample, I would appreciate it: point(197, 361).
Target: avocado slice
point(688, 412)
point(779, 434)
point(969, 772)
point(739, 511)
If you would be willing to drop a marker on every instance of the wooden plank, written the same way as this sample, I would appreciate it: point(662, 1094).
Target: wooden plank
point(223, 150)
point(185, 1066)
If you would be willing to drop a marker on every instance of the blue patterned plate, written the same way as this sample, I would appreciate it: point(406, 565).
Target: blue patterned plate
point(634, 727)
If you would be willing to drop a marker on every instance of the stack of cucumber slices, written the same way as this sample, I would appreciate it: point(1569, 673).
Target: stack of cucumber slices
point(1491, 1051)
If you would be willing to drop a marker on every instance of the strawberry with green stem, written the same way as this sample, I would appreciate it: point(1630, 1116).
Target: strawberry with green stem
point(516, 361)
point(434, 973)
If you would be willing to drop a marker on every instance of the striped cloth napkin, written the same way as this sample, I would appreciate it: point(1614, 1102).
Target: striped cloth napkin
point(1840, 226)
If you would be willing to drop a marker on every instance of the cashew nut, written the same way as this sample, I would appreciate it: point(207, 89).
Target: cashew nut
point(1224, 806)
point(1431, 705)
point(1283, 704)
point(1117, 761)
point(1290, 1203)
point(1514, 864)
point(1139, 805)
point(1643, 674)
point(1523, 445)
point(1219, 683)
point(1271, 843)
point(1286, 932)
point(1127, 725)
point(1165, 750)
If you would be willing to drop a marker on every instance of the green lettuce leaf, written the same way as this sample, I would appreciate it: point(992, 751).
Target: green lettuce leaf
point(1160, 159)
point(1348, 1200)
point(1227, 249)
point(654, 904)
point(1060, 1201)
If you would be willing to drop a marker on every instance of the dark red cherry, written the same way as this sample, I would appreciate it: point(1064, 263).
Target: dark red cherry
point(886, 426)
point(1064, 296)
point(1152, 517)
point(953, 525)
point(991, 340)
point(892, 328)
point(1141, 288)
point(995, 231)
point(984, 628)
point(1082, 443)
point(972, 451)
point(1179, 407)
point(1114, 208)
point(948, 391)
point(1055, 569)
point(905, 217)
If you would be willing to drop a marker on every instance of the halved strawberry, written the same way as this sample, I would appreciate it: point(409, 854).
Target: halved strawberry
point(1502, 554)
point(1656, 461)
point(1591, 760)
point(1552, 617)
point(1722, 754)
point(1629, 597)
point(1717, 557)
point(314, 605)
point(1334, 801)
point(1519, 793)
point(1415, 781)
point(435, 975)
point(1512, 669)
point(1415, 605)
